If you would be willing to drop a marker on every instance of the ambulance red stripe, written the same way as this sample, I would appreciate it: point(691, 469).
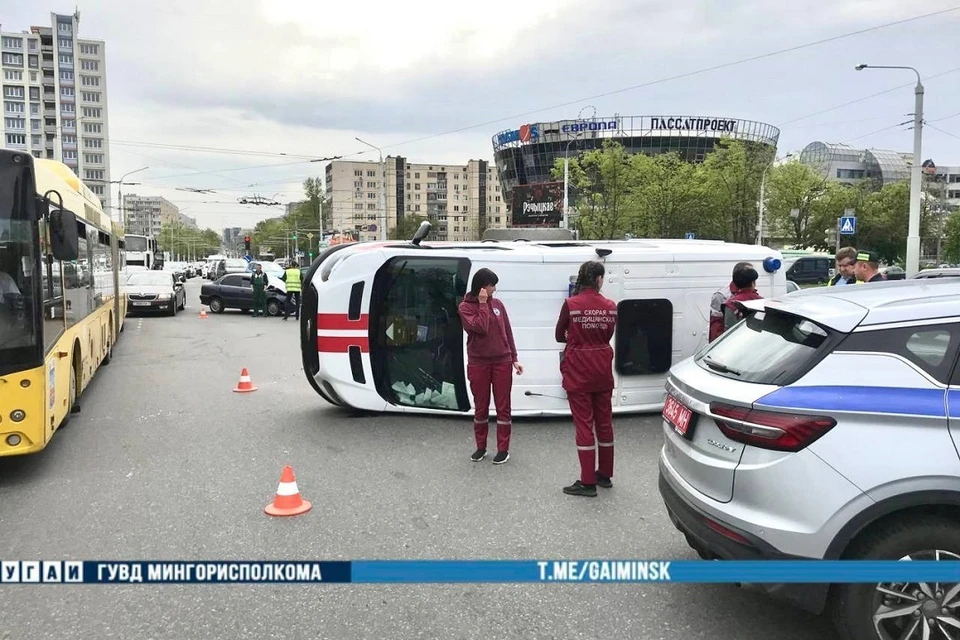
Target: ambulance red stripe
point(342, 322)
point(342, 344)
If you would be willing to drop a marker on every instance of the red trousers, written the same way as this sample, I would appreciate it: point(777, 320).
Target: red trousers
point(593, 411)
point(500, 377)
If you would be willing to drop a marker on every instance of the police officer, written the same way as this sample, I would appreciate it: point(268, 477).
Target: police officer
point(292, 277)
point(868, 267)
point(586, 324)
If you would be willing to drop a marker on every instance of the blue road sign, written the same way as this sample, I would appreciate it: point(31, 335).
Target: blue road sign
point(248, 258)
point(848, 225)
point(691, 235)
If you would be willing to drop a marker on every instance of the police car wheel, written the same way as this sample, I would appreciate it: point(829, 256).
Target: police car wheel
point(890, 611)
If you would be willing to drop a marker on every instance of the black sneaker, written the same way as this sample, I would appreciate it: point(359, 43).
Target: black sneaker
point(604, 481)
point(501, 457)
point(479, 455)
point(580, 489)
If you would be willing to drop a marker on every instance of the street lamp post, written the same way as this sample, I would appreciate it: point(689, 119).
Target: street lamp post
point(566, 170)
point(383, 191)
point(123, 216)
point(763, 187)
point(913, 228)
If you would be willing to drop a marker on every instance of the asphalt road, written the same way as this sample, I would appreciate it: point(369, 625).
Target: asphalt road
point(165, 462)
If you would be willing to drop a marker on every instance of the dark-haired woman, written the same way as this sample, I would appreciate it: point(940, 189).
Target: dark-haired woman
point(491, 360)
point(586, 324)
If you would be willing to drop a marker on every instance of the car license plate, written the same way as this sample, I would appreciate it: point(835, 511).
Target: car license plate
point(679, 416)
point(141, 304)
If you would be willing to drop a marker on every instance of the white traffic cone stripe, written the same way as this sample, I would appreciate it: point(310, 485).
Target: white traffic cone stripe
point(244, 378)
point(287, 489)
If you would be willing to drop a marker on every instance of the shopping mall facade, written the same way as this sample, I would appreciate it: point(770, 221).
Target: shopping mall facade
point(525, 156)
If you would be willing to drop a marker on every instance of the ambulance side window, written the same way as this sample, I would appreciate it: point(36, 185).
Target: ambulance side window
point(644, 338)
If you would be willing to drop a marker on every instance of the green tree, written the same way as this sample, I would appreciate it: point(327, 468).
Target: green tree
point(601, 181)
point(732, 174)
point(187, 242)
point(406, 227)
point(883, 224)
point(951, 241)
point(668, 198)
point(794, 186)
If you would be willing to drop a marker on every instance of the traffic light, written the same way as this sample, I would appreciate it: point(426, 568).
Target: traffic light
point(246, 242)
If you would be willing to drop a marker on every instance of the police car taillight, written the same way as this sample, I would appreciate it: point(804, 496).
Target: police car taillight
point(769, 429)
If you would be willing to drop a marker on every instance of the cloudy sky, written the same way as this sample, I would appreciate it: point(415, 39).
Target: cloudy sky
point(434, 81)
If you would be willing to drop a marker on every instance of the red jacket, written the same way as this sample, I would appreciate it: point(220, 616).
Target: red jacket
point(732, 313)
point(587, 323)
point(489, 335)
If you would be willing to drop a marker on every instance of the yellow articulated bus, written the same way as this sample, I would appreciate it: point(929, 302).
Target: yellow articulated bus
point(62, 296)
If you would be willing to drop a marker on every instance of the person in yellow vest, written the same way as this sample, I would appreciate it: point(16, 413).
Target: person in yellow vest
point(846, 268)
point(292, 277)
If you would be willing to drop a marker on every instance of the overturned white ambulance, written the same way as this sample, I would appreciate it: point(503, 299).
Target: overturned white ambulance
point(380, 330)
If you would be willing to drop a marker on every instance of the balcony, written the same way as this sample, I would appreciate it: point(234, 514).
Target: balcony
point(50, 129)
point(47, 65)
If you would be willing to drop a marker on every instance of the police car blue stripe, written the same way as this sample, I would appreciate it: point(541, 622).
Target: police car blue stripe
point(896, 400)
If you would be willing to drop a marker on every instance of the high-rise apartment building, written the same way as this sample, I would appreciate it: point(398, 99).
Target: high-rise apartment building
point(55, 98)
point(146, 215)
point(459, 200)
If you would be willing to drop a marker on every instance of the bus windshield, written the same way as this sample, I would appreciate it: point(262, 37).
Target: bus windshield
point(135, 243)
point(18, 250)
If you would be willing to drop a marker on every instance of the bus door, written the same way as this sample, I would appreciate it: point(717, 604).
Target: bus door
point(416, 337)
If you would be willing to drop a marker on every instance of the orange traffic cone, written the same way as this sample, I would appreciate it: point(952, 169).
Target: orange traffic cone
point(287, 501)
point(245, 385)
point(203, 313)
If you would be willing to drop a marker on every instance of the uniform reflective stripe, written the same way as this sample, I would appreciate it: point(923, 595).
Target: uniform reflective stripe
point(606, 444)
point(287, 489)
point(590, 448)
point(506, 424)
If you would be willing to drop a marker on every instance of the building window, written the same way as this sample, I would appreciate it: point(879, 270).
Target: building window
point(93, 158)
point(13, 107)
point(371, 174)
point(66, 59)
point(358, 173)
point(17, 138)
point(68, 108)
point(93, 143)
point(90, 81)
point(67, 91)
point(13, 92)
point(91, 96)
point(66, 43)
point(15, 76)
point(90, 49)
point(90, 65)
point(92, 128)
point(91, 112)
point(15, 59)
point(644, 338)
point(70, 155)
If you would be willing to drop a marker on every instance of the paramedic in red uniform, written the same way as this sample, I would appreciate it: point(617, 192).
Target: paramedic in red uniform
point(586, 324)
point(491, 361)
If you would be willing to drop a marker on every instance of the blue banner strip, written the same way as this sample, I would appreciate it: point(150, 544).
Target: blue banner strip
point(517, 571)
point(474, 571)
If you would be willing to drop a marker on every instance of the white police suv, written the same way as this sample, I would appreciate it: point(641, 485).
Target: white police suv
point(826, 426)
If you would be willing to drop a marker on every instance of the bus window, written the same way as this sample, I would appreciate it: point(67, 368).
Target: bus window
point(416, 339)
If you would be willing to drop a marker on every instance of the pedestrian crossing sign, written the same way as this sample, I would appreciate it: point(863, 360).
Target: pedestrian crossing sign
point(848, 225)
